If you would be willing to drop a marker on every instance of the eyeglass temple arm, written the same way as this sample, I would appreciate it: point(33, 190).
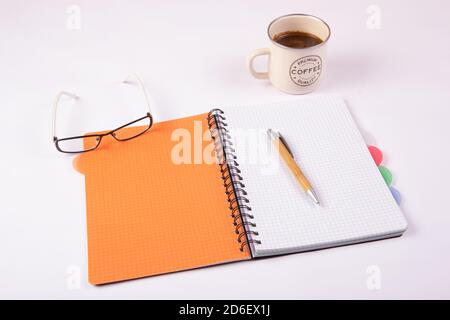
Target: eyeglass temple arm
point(141, 85)
point(55, 108)
point(74, 96)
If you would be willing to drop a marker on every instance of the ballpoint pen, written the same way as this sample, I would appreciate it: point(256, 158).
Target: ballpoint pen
point(288, 158)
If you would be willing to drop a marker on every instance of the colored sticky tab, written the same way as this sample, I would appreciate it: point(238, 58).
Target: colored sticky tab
point(387, 175)
point(377, 155)
point(396, 194)
point(77, 163)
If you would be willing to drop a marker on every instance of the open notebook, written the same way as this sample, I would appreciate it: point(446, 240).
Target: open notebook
point(148, 214)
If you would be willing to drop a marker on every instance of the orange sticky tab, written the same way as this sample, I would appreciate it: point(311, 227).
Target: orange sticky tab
point(148, 215)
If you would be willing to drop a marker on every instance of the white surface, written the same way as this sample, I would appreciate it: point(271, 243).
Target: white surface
point(191, 56)
point(355, 203)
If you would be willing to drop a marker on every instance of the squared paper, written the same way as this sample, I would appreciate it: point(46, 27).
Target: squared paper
point(147, 215)
point(356, 204)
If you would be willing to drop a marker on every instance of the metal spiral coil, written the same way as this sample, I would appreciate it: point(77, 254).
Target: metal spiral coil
point(232, 180)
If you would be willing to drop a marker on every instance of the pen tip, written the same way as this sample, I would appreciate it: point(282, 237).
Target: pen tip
point(313, 196)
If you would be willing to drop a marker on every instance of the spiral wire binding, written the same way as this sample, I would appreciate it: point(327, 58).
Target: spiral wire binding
point(232, 180)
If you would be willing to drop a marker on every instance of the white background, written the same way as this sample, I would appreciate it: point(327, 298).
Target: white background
point(191, 56)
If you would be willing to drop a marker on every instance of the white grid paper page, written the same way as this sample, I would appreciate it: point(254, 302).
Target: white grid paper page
point(356, 204)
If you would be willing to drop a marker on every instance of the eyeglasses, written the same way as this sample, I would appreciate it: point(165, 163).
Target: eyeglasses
point(89, 142)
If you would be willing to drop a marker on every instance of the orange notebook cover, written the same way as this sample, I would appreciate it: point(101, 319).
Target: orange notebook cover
point(147, 215)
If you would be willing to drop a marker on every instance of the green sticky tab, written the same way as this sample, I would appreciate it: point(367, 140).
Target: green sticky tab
point(387, 175)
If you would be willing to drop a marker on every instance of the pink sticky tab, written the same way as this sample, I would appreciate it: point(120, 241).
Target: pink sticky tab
point(377, 155)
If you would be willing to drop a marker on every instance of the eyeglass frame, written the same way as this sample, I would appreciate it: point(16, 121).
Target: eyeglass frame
point(99, 135)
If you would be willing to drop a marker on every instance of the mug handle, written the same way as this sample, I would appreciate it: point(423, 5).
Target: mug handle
point(251, 57)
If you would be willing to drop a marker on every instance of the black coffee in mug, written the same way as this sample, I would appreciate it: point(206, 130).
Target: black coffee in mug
point(296, 54)
point(297, 39)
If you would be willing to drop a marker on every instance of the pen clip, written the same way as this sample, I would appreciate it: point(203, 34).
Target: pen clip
point(285, 144)
point(277, 134)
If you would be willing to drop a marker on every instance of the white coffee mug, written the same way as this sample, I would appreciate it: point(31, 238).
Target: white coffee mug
point(294, 70)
